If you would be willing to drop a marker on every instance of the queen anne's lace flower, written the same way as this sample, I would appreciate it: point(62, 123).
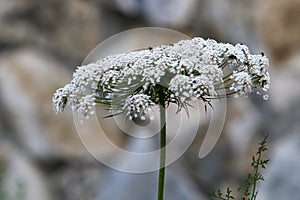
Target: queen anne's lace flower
point(186, 71)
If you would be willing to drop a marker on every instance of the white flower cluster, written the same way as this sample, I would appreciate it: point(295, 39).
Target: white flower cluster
point(185, 71)
point(242, 84)
point(65, 96)
point(190, 88)
point(138, 106)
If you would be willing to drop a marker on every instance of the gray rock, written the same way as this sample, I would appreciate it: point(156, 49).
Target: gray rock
point(77, 180)
point(278, 25)
point(227, 20)
point(283, 175)
point(174, 13)
point(21, 178)
point(243, 121)
point(284, 91)
point(120, 185)
point(67, 28)
point(28, 80)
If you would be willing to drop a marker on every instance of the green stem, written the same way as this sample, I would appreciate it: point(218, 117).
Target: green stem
point(254, 193)
point(161, 177)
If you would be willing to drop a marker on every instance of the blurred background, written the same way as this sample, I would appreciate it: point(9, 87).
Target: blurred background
point(42, 42)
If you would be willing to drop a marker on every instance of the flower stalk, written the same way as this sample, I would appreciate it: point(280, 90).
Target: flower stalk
point(163, 133)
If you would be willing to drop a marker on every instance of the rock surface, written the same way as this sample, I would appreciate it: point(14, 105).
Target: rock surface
point(41, 43)
point(279, 27)
point(158, 13)
point(282, 177)
point(23, 180)
point(67, 28)
point(28, 80)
